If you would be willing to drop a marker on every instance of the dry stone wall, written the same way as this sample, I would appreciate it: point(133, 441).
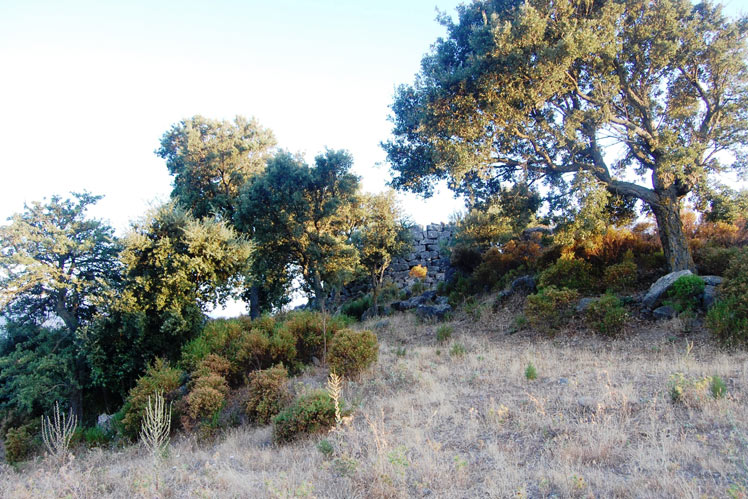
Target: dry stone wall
point(429, 250)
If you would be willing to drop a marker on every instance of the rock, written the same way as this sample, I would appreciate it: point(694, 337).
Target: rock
point(660, 287)
point(104, 421)
point(712, 280)
point(664, 312)
point(584, 304)
point(525, 284)
point(372, 312)
point(442, 300)
point(433, 311)
point(428, 295)
point(563, 381)
point(709, 296)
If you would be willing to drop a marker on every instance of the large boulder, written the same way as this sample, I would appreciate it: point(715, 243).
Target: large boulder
point(709, 297)
point(659, 288)
point(437, 312)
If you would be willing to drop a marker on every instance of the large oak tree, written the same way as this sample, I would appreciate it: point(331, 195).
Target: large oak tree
point(650, 98)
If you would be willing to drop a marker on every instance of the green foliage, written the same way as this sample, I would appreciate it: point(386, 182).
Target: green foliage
point(382, 236)
point(530, 372)
point(210, 160)
point(309, 414)
point(568, 273)
point(685, 293)
point(56, 262)
point(356, 308)
point(521, 93)
point(268, 394)
point(607, 315)
point(457, 350)
point(714, 260)
point(37, 367)
point(688, 391)
point(158, 378)
point(728, 321)
point(325, 447)
point(176, 267)
point(717, 387)
point(351, 352)
point(444, 332)
point(550, 308)
point(465, 258)
point(208, 389)
point(302, 217)
point(19, 443)
point(307, 327)
point(620, 276)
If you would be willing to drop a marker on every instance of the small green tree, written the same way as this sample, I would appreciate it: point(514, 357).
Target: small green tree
point(382, 236)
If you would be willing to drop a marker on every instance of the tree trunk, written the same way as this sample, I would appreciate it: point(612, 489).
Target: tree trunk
point(254, 301)
point(670, 227)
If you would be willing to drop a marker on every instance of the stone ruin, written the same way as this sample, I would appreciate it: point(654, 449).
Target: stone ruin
point(429, 250)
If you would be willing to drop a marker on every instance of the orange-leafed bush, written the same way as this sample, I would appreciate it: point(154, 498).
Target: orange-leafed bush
point(209, 388)
point(418, 272)
point(268, 394)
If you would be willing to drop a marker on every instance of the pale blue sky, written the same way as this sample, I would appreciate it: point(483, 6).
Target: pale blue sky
point(88, 88)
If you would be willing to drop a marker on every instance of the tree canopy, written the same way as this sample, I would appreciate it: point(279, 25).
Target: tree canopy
point(649, 98)
point(211, 159)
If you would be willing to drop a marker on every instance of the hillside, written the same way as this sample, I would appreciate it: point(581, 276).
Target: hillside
point(461, 419)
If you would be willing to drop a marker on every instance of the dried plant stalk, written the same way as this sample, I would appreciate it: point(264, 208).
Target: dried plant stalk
point(57, 432)
point(334, 387)
point(156, 426)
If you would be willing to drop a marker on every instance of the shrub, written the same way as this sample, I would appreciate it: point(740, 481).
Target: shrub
point(95, 436)
point(621, 276)
point(568, 273)
point(717, 387)
point(306, 329)
point(607, 315)
point(465, 258)
point(457, 350)
point(728, 323)
point(268, 394)
point(685, 293)
point(160, 377)
point(309, 414)
point(18, 444)
point(689, 391)
point(443, 333)
point(530, 372)
point(713, 260)
point(209, 388)
point(219, 336)
point(356, 308)
point(550, 308)
point(418, 272)
point(352, 351)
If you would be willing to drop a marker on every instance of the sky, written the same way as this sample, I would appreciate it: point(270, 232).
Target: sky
point(89, 87)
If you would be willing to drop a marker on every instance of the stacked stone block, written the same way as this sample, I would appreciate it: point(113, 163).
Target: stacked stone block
point(429, 250)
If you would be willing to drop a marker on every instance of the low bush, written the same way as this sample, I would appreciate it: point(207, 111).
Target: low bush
point(268, 394)
point(159, 377)
point(685, 293)
point(209, 388)
point(351, 352)
point(306, 328)
point(309, 414)
point(356, 308)
point(550, 308)
point(728, 322)
point(713, 260)
point(692, 392)
point(607, 315)
point(443, 333)
point(568, 273)
point(621, 276)
point(19, 443)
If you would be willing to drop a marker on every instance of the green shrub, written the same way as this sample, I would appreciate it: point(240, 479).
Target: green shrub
point(568, 273)
point(306, 327)
point(550, 308)
point(94, 436)
point(219, 336)
point(717, 387)
point(607, 315)
point(443, 333)
point(688, 391)
point(530, 372)
point(728, 322)
point(356, 308)
point(621, 276)
point(465, 258)
point(352, 351)
point(457, 350)
point(209, 388)
point(160, 377)
point(18, 444)
point(685, 293)
point(268, 394)
point(309, 414)
point(714, 260)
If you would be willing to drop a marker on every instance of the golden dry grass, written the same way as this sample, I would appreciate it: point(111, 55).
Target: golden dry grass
point(598, 422)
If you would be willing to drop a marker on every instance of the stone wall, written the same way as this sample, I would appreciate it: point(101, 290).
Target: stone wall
point(429, 245)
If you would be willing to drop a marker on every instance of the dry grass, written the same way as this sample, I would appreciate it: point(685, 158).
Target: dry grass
point(598, 422)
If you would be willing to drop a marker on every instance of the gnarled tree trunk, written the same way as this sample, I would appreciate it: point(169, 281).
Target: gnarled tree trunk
point(670, 227)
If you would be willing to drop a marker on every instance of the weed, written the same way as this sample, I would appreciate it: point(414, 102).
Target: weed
point(530, 372)
point(325, 447)
point(717, 387)
point(156, 426)
point(457, 350)
point(57, 432)
point(444, 332)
